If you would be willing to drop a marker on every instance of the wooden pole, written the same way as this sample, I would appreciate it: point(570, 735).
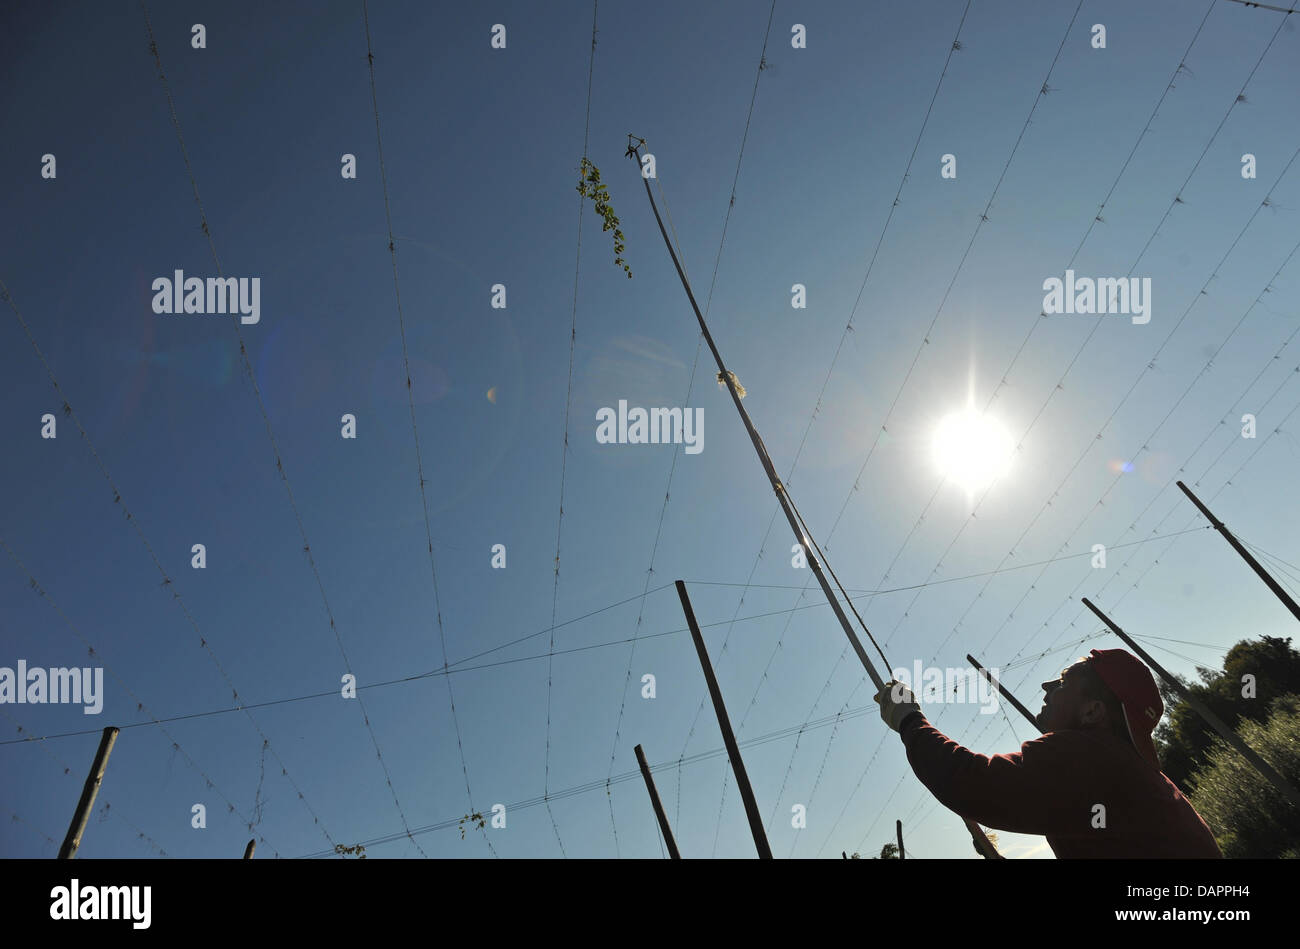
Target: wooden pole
point(248, 850)
point(1254, 564)
point(898, 829)
point(1015, 702)
point(728, 738)
point(658, 806)
point(1213, 720)
point(88, 792)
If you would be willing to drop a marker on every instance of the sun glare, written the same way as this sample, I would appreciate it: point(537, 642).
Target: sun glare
point(972, 450)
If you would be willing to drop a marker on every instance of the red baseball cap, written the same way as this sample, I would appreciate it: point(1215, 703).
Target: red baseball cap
point(1132, 683)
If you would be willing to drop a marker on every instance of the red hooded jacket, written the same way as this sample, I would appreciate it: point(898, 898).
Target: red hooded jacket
point(1052, 787)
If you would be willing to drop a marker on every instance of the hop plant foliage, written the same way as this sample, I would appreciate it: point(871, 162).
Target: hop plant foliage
point(475, 820)
point(589, 186)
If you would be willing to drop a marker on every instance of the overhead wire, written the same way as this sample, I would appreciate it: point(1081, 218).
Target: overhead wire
point(252, 376)
point(140, 705)
point(564, 450)
point(34, 829)
point(460, 667)
point(134, 521)
point(1147, 441)
point(984, 217)
point(66, 770)
point(953, 47)
point(690, 387)
point(631, 775)
point(921, 799)
point(1153, 640)
point(1096, 219)
point(1060, 384)
point(1165, 487)
point(1179, 502)
point(1177, 200)
point(731, 203)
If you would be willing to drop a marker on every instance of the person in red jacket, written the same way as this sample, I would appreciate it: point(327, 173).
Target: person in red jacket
point(1091, 784)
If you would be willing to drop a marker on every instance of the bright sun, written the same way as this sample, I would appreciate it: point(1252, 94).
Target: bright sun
point(972, 450)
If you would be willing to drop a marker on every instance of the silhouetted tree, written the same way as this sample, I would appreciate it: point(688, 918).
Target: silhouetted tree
point(1250, 817)
point(1184, 739)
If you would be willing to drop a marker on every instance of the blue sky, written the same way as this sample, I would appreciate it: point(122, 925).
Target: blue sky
point(481, 148)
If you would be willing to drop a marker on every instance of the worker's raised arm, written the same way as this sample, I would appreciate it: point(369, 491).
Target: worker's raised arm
point(1034, 791)
point(1038, 790)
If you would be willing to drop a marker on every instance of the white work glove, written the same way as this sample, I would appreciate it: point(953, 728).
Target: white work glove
point(896, 703)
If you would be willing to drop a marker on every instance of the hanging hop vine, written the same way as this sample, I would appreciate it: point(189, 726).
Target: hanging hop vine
point(589, 186)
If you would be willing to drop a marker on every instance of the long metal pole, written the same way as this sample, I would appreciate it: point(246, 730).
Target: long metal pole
point(728, 737)
point(777, 486)
point(659, 808)
point(248, 850)
point(1213, 720)
point(898, 830)
point(1015, 702)
point(88, 792)
point(1254, 564)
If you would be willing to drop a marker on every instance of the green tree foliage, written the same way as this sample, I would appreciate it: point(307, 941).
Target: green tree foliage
point(1250, 818)
point(358, 849)
point(589, 186)
point(888, 852)
point(1184, 739)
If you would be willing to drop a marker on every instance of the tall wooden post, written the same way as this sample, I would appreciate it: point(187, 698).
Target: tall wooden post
point(1213, 720)
point(898, 829)
point(1254, 564)
point(728, 738)
point(88, 792)
point(248, 850)
point(658, 806)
